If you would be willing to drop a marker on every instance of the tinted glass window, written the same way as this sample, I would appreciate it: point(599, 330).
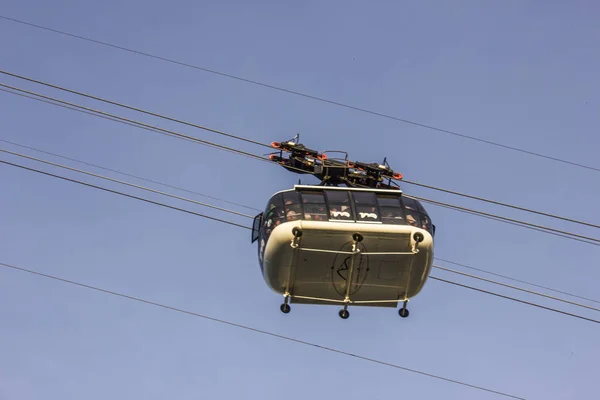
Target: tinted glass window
point(389, 200)
point(292, 206)
point(412, 212)
point(314, 206)
point(365, 204)
point(274, 215)
point(426, 223)
point(420, 207)
point(338, 203)
point(391, 209)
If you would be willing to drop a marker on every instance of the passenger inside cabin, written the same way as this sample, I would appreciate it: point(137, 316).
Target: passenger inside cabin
point(292, 211)
point(411, 219)
point(392, 214)
point(280, 216)
point(425, 222)
point(339, 212)
point(314, 213)
point(321, 214)
point(367, 213)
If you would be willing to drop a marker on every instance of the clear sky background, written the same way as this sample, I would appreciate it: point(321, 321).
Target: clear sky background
point(523, 74)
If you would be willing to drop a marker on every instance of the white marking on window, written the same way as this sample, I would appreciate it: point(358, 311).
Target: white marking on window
point(340, 213)
point(370, 215)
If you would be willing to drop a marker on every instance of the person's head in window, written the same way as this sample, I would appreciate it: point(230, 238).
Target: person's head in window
point(321, 214)
point(411, 220)
point(389, 214)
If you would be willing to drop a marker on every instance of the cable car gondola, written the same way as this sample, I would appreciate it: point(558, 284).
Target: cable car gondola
point(361, 244)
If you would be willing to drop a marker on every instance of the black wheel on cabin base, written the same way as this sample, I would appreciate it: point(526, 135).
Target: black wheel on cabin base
point(403, 312)
point(344, 314)
point(285, 308)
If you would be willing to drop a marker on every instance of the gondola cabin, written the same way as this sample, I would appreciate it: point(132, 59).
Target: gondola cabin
point(344, 245)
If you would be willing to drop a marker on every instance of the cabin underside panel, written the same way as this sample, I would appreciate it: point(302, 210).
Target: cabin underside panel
point(322, 269)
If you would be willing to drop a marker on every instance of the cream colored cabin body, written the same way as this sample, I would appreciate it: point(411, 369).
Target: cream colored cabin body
point(348, 246)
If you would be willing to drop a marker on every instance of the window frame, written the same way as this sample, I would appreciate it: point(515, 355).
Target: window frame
point(414, 213)
point(296, 200)
point(329, 205)
point(256, 228)
point(323, 203)
point(375, 205)
point(399, 206)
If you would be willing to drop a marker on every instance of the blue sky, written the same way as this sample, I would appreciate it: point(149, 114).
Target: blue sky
point(519, 73)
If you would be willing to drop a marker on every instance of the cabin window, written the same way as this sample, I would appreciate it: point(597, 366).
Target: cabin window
point(274, 215)
point(419, 206)
point(426, 223)
point(391, 209)
point(412, 212)
point(293, 208)
point(425, 220)
point(314, 206)
point(338, 202)
point(365, 204)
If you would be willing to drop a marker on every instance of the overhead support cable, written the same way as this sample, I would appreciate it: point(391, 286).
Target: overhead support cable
point(76, 107)
point(127, 174)
point(482, 213)
point(499, 219)
point(72, 108)
point(97, 113)
point(517, 280)
point(516, 288)
point(502, 204)
point(50, 100)
point(122, 194)
point(137, 123)
point(515, 299)
point(125, 183)
point(305, 95)
point(256, 330)
point(132, 108)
